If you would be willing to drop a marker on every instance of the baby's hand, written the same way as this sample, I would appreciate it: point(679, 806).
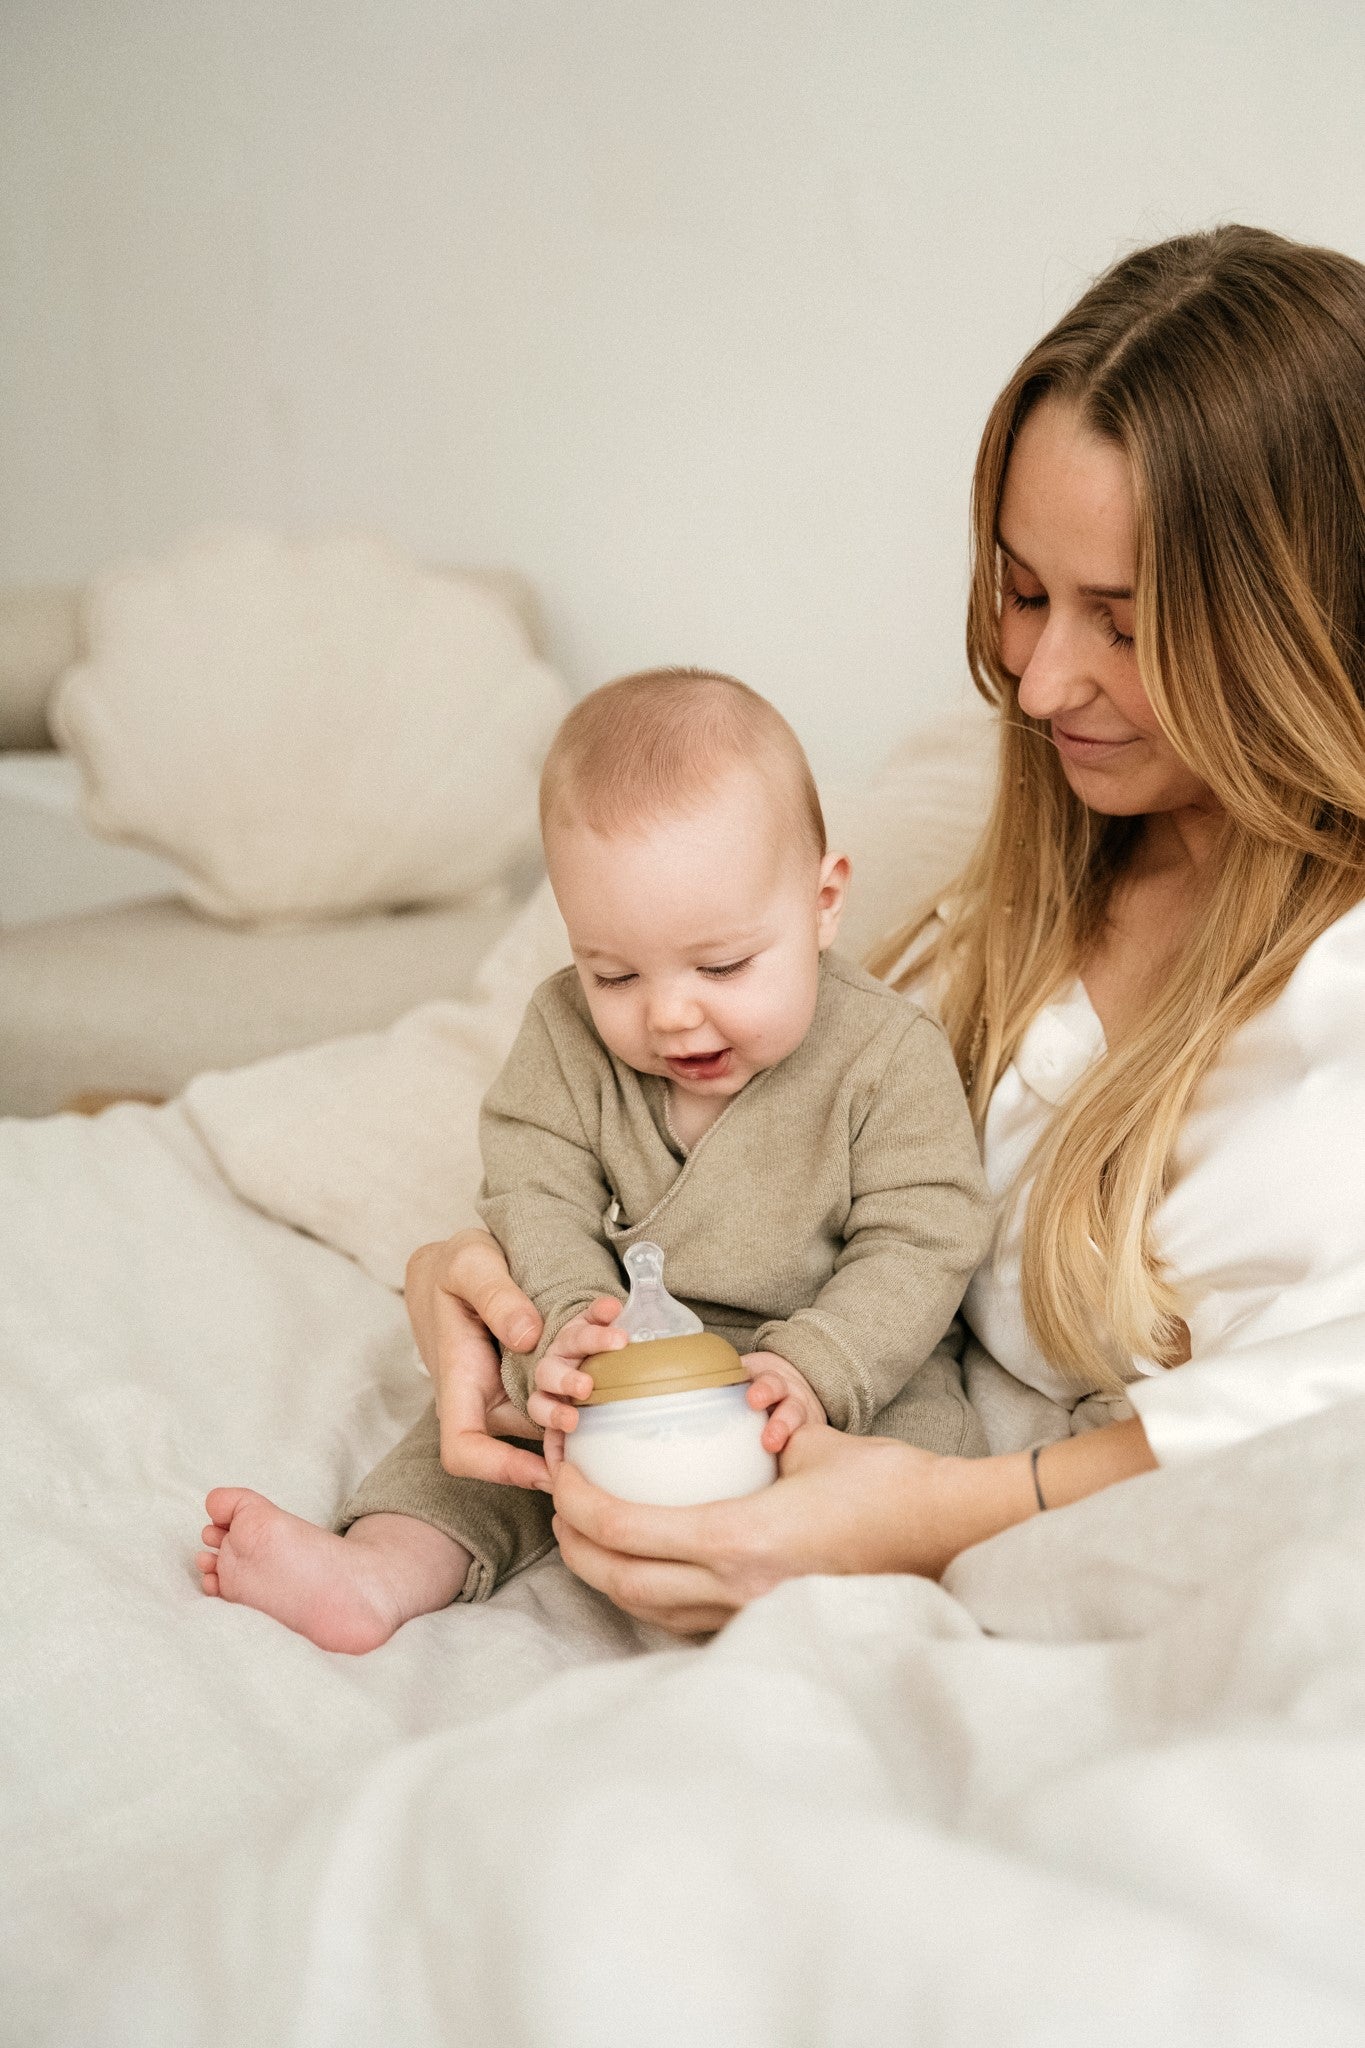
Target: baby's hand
point(560, 1378)
point(789, 1396)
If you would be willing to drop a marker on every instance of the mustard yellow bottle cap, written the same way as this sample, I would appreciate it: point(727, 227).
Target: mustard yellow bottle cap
point(665, 1365)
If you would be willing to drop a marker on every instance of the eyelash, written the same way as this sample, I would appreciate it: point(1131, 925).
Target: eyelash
point(1033, 604)
point(724, 973)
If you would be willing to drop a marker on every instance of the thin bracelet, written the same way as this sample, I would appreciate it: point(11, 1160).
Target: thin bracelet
point(1034, 1455)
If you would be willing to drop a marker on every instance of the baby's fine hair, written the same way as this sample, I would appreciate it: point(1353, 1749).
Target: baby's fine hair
point(654, 744)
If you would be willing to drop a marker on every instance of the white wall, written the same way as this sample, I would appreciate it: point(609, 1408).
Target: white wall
point(689, 308)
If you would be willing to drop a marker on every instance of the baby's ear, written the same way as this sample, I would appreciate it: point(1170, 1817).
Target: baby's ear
point(836, 871)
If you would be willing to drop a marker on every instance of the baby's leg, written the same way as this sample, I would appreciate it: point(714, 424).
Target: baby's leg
point(343, 1592)
point(499, 1530)
point(409, 1540)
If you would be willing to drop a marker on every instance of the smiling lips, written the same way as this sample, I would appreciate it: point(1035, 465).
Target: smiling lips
point(1083, 745)
point(702, 1066)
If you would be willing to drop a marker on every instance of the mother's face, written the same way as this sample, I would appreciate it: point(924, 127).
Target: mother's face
point(1066, 630)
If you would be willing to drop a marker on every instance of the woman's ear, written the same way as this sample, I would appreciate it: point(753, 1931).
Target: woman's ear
point(836, 871)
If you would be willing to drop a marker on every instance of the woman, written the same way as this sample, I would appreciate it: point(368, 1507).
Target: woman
point(1152, 970)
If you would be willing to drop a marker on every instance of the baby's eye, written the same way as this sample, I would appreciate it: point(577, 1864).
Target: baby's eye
point(730, 967)
point(614, 980)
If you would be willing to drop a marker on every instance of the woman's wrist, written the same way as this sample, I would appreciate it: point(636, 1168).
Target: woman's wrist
point(968, 1501)
point(908, 1510)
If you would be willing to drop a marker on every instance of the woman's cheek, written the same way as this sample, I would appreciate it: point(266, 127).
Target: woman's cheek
point(1126, 692)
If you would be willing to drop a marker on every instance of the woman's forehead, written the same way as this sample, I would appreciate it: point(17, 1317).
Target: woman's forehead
point(1067, 504)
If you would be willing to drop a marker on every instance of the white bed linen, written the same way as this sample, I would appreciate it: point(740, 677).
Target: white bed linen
point(159, 1337)
point(1108, 1785)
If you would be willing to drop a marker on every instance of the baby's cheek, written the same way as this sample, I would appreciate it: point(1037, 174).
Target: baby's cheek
point(617, 1032)
point(775, 1034)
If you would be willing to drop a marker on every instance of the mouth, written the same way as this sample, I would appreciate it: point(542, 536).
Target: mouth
point(701, 1066)
point(1082, 748)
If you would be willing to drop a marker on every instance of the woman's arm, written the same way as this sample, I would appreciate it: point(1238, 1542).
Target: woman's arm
point(842, 1505)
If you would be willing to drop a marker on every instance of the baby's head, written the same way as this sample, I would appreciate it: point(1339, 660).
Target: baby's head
point(686, 848)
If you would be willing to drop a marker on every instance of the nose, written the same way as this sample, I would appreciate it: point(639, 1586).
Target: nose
point(671, 1010)
point(1056, 678)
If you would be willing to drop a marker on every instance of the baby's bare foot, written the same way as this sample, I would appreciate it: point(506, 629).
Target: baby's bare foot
point(343, 1592)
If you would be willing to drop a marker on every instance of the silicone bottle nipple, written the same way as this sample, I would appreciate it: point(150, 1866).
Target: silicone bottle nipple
point(651, 1311)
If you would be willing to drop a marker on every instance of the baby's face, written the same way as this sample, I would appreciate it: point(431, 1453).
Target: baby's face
point(698, 940)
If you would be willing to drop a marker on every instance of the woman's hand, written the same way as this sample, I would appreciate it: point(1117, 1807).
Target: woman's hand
point(456, 1294)
point(842, 1504)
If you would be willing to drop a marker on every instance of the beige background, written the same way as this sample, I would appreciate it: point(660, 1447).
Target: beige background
point(689, 308)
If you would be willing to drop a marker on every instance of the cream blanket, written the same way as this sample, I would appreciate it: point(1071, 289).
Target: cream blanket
point(1106, 1784)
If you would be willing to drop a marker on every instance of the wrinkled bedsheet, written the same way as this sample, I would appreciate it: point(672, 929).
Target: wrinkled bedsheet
point(158, 1337)
point(1107, 1784)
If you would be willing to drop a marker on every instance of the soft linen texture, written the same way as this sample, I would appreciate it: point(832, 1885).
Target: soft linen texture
point(1108, 1783)
point(1069, 1797)
point(308, 727)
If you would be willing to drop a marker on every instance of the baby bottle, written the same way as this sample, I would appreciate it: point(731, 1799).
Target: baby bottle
point(667, 1420)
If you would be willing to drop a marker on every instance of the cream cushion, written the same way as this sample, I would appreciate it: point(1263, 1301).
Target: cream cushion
point(308, 727)
point(371, 1143)
point(140, 998)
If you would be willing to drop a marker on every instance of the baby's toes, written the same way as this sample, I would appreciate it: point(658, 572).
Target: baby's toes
point(224, 1501)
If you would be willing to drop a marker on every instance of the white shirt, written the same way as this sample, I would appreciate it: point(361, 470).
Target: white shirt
point(1262, 1230)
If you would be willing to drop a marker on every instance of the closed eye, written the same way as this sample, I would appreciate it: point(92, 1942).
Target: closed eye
point(730, 967)
point(1033, 604)
point(614, 980)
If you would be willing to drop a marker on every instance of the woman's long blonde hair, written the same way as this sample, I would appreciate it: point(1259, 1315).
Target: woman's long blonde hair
point(1230, 369)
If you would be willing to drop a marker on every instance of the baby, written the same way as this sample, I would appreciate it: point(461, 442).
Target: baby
point(706, 1075)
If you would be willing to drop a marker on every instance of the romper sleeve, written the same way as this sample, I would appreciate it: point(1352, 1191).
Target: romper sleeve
point(1263, 1228)
point(544, 1194)
point(919, 1223)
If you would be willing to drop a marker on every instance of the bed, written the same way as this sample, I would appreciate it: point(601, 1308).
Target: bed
point(1107, 1782)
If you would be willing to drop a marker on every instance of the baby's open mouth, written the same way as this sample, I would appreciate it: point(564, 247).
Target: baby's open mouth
point(701, 1066)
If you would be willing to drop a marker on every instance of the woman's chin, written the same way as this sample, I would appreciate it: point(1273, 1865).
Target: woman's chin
point(1113, 789)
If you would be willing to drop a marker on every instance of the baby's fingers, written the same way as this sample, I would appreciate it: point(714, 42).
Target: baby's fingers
point(783, 1424)
point(583, 1339)
point(551, 1414)
point(767, 1390)
point(553, 1448)
point(562, 1376)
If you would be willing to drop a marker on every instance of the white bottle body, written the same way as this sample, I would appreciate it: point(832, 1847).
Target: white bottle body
point(674, 1450)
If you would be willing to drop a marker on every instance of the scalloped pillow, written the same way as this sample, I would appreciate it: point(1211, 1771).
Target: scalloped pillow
point(308, 727)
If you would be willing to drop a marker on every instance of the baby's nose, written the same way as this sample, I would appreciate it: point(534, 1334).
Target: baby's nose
point(674, 1010)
